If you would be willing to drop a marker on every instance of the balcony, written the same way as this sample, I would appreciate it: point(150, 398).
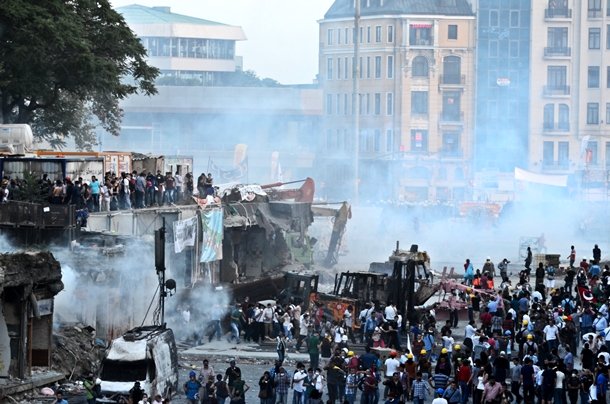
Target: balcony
point(555, 90)
point(451, 118)
point(550, 13)
point(557, 51)
point(452, 80)
point(595, 13)
point(548, 127)
point(456, 153)
point(416, 116)
point(422, 41)
point(562, 165)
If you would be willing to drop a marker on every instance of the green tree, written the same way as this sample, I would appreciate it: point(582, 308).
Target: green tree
point(64, 62)
point(30, 190)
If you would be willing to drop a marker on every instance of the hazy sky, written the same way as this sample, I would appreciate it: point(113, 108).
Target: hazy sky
point(282, 34)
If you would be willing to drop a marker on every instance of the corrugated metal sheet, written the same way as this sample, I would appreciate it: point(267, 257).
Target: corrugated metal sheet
point(345, 8)
point(175, 30)
point(137, 14)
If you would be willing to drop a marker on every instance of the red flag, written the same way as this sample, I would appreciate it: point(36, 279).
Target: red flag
point(586, 295)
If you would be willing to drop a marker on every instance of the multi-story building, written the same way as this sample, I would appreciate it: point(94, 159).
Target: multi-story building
point(416, 92)
point(570, 100)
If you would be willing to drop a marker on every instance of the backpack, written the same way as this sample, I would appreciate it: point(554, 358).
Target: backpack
point(519, 337)
point(567, 307)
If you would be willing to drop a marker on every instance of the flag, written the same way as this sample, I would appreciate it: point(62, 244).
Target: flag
point(211, 225)
point(280, 176)
point(586, 295)
point(238, 172)
point(584, 145)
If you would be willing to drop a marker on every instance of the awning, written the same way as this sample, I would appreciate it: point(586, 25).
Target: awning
point(421, 25)
point(547, 179)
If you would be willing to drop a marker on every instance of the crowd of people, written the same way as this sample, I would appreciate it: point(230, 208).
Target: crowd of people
point(113, 192)
point(532, 342)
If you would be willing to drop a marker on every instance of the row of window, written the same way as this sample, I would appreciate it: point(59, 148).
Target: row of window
point(343, 71)
point(342, 35)
point(563, 154)
point(189, 48)
point(593, 113)
point(368, 140)
point(342, 105)
point(563, 123)
point(557, 77)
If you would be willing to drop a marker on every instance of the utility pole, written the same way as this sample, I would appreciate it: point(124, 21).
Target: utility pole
point(356, 99)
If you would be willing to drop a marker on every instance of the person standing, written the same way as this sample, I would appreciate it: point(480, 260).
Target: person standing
point(597, 254)
point(178, 183)
point(528, 259)
point(370, 386)
point(193, 390)
point(602, 384)
point(95, 193)
point(236, 316)
point(140, 190)
point(572, 256)
point(468, 272)
point(314, 350)
point(89, 384)
point(419, 389)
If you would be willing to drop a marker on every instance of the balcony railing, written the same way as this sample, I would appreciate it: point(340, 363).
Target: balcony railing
point(556, 127)
point(557, 51)
point(422, 41)
point(558, 13)
point(555, 165)
point(451, 117)
point(456, 79)
point(556, 90)
point(594, 13)
point(419, 116)
point(451, 153)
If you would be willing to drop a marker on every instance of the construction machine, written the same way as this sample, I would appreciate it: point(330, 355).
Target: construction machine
point(339, 218)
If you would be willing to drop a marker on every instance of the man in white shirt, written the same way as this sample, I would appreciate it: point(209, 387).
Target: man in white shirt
point(551, 335)
point(391, 364)
point(178, 182)
point(299, 377)
point(389, 312)
point(439, 397)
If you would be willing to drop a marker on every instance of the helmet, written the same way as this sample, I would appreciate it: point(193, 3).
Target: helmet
point(507, 332)
point(393, 353)
point(584, 258)
point(192, 373)
point(422, 352)
point(602, 333)
point(564, 317)
point(468, 290)
point(350, 353)
point(525, 322)
point(553, 291)
point(529, 336)
point(488, 258)
point(457, 347)
point(410, 356)
point(440, 392)
point(345, 350)
point(570, 318)
point(444, 350)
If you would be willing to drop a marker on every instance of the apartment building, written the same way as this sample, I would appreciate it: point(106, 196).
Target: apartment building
point(416, 98)
point(570, 100)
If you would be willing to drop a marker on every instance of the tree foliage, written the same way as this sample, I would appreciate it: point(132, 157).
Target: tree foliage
point(63, 62)
point(247, 78)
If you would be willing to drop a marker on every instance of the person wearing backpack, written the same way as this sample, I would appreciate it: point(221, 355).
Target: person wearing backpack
point(90, 386)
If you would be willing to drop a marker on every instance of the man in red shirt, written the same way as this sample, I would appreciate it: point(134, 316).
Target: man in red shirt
point(486, 318)
point(463, 377)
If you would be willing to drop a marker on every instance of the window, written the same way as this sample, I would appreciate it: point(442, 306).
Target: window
point(451, 144)
point(549, 116)
point(360, 103)
point(361, 68)
point(514, 18)
point(420, 35)
point(389, 104)
point(368, 67)
point(338, 104)
point(594, 38)
point(346, 139)
point(338, 36)
point(513, 49)
point(346, 31)
point(493, 49)
point(592, 113)
point(338, 141)
point(390, 67)
point(329, 36)
point(420, 67)
point(377, 67)
point(493, 18)
point(377, 140)
point(419, 103)
point(339, 68)
point(608, 123)
point(329, 139)
point(452, 68)
point(452, 32)
point(368, 103)
point(362, 140)
point(389, 140)
point(557, 40)
point(345, 103)
point(390, 34)
point(345, 75)
point(593, 77)
point(564, 118)
point(608, 77)
point(548, 153)
point(329, 68)
point(378, 34)
point(452, 106)
point(556, 76)
point(563, 154)
point(608, 30)
point(368, 34)
point(492, 109)
point(419, 140)
point(361, 34)
point(329, 104)
point(377, 110)
point(595, 5)
point(593, 147)
point(513, 108)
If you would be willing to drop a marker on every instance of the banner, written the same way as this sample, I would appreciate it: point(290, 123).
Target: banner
point(238, 172)
point(547, 179)
point(185, 232)
point(211, 225)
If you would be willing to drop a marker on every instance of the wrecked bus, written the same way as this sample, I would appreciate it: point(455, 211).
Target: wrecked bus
point(145, 354)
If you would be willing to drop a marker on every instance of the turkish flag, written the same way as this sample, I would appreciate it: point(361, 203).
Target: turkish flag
point(586, 295)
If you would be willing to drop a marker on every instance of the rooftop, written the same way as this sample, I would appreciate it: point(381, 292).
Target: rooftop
point(345, 8)
point(137, 14)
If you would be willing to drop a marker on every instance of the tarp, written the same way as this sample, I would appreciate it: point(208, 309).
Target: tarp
point(185, 232)
point(236, 173)
point(211, 224)
point(547, 179)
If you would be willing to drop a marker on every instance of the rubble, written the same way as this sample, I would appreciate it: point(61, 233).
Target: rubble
point(76, 351)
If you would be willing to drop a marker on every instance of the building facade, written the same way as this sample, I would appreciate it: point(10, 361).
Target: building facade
point(416, 92)
point(570, 113)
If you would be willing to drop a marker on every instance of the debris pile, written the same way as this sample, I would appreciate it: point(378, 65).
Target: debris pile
point(76, 351)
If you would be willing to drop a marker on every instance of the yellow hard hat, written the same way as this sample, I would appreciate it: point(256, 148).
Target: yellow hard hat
point(410, 356)
point(350, 353)
point(468, 290)
point(564, 317)
point(457, 347)
point(529, 336)
point(525, 322)
point(553, 291)
point(422, 352)
point(444, 350)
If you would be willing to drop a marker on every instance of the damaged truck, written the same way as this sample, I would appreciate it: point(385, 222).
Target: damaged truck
point(147, 355)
